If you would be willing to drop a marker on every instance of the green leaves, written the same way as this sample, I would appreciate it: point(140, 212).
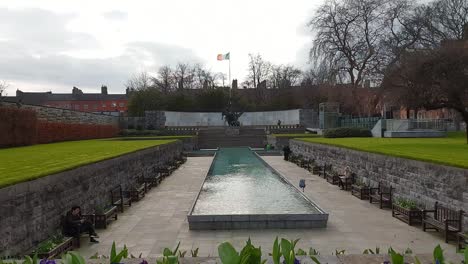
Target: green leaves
point(194, 253)
point(438, 255)
point(117, 257)
point(287, 250)
point(248, 255)
point(396, 257)
point(276, 255)
point(228, 254)
point(72, 257)
point(466, 255)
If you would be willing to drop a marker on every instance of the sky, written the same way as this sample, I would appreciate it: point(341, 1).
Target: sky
point(53, 45)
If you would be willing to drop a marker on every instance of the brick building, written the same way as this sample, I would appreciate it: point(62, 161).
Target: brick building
point(113, 104)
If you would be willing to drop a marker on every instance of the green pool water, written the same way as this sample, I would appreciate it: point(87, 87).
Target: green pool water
point(239, 182)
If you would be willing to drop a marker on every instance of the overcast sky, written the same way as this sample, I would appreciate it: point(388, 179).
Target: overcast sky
point(53, 45)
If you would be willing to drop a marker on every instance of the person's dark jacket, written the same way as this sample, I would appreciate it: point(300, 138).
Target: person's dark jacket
point(71, 225)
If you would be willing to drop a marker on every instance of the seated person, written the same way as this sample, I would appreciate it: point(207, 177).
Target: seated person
point(348, 175)
point(74, 225)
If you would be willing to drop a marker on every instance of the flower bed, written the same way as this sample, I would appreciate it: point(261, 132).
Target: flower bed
point(407, 211)
point(54, 247)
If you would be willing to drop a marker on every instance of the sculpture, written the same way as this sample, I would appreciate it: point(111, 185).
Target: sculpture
point(232, 117)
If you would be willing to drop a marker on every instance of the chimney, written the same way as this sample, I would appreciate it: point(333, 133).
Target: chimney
point(234, 84)
point(103, 89)
point(76, 91)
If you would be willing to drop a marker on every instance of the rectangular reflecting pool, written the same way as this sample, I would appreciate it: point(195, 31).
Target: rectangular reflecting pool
point(241, 191)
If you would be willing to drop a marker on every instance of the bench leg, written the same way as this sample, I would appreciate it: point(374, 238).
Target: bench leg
point(424, 226)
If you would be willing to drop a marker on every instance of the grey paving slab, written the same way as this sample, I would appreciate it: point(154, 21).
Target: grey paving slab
point(159, 220)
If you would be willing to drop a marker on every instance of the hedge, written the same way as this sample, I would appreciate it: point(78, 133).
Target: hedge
point(343, 132)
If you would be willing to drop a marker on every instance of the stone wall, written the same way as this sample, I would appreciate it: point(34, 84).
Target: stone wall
point(58, 115)
point(30, 211)
point(158, 119)
point(421, 181)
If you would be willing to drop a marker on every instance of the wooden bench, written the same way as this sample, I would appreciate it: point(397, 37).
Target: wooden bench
point(326, 167)
point(162, 171)
point(345, 183)
point(381, 195)
point(118, 199)
point(332, 177)
point(443, 219)
point(462, 240)
point(307, 164)
point(102, 219)
point(138, 191)
point(316, 169)
point(70, 242)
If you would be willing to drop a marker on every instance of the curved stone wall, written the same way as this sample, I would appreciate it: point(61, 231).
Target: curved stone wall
point(421, 181)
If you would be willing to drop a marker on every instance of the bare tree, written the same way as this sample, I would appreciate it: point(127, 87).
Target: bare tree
point(446, 21)
point(3, 86)
point(139, 81)
point(284, 76)
point(431, 79)
point(165, 79)
point(221, 76)
point(259, 69)
point(184, 76)
point(357, 40)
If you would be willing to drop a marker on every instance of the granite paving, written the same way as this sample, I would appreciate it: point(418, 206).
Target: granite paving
point(160, 220)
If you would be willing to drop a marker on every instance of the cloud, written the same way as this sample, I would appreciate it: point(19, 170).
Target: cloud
point(115, 15)
point(40, 31)
point(36, 50)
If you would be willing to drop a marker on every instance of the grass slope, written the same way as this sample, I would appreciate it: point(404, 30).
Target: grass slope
point(452, 150)
point(27, 163)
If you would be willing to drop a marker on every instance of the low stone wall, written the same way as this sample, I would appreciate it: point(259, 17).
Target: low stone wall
point(31, 211)
point(278, 142)
point(58, 115)
point(421, 181)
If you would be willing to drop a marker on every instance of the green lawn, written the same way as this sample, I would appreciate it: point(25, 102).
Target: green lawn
point(297, 135)
point(452, 150)
point(31, 162)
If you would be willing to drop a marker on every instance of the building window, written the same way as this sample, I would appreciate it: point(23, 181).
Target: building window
point(103, 105)
point(77, 107)
point(114, 104)
point(85, 107)
point(95, 106)
point(121, 104)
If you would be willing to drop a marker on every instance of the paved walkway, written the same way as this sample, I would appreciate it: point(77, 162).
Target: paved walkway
point(159, 220)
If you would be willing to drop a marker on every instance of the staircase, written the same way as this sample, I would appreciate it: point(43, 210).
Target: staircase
point(214, 137)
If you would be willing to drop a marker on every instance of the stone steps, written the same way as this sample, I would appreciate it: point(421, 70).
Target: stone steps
point(231, 137)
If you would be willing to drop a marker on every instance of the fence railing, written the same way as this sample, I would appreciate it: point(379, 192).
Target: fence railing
point(417, 124)
point(359, 122)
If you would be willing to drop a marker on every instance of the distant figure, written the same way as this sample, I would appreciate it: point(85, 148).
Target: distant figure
point(74, 224)
point(279, 122)
point(286, 151)
point(302, 184)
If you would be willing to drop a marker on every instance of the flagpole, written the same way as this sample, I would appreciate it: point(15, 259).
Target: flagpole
point(230, 82)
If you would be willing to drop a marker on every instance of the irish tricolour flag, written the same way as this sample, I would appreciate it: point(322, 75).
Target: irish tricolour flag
point(223, 56)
